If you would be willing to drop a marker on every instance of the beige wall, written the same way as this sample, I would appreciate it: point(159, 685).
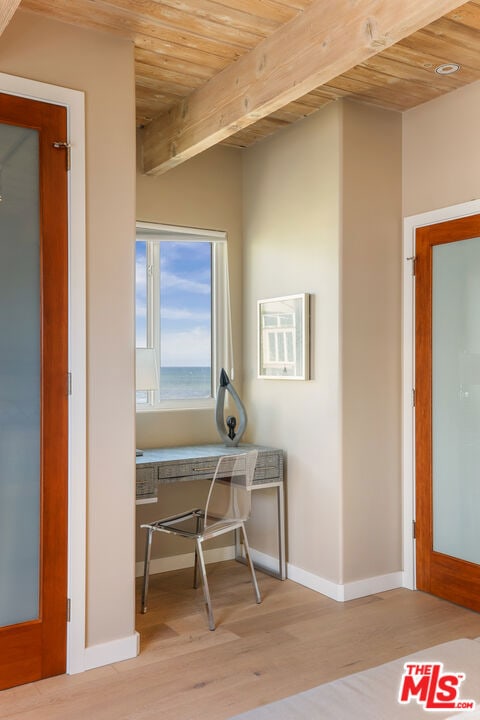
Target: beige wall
point(292, 245)
point(322, 214)
point(371, 350)
point(442, 152)
point(102, 67)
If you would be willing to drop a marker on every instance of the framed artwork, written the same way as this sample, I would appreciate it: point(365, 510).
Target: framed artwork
point(283, 337)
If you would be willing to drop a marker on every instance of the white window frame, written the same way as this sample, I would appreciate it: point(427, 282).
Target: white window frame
point(276, 331)
point(221, 337)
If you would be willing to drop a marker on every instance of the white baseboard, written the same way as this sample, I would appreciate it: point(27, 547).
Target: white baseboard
point(315, 582)
point(348, 591)
point(373, 585)
point(178, 562)
point(267, 561)
point(112, 652)
point(341, 593)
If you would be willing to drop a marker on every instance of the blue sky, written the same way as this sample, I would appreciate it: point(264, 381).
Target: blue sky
point(185, 298)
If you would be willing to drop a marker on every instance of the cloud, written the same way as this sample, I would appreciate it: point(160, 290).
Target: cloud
point(183, 349)
point(170, 280)
point(140, 279)
point(184, 314)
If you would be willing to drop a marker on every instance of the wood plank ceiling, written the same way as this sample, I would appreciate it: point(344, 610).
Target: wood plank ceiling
point(181, 44)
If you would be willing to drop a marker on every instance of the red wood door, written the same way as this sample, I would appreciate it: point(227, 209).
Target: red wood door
point(36, 647)
point(447, 409)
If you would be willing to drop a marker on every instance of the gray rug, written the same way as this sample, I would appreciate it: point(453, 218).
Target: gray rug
point(373, 694)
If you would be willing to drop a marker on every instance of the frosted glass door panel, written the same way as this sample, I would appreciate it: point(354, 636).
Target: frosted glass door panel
point(19, 375)
point(456, 399)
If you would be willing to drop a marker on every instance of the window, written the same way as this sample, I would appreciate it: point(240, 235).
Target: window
point(279, 332)
point(182, 312)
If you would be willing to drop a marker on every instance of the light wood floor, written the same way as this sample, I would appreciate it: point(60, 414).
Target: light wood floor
point(294, 640)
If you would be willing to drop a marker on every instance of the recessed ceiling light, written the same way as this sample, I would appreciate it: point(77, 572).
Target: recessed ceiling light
point(447, 68)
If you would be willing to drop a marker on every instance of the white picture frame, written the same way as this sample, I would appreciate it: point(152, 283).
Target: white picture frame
point(283, 337)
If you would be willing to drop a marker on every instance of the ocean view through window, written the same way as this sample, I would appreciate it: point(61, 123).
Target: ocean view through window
point(181, 280)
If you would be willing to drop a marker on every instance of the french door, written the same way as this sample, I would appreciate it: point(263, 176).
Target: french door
point(447, 416)
point(33, 390)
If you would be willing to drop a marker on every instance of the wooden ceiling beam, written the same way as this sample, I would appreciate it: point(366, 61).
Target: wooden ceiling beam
point(7, 11)
point(324, 41)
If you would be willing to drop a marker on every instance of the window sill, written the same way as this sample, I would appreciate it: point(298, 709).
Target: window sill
point(178, 405)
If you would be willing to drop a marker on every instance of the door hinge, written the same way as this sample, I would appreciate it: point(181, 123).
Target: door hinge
point(414, 529)
point(69, 609)
point(69, 383)
point(413, 258)
point(414, 397)
point(64, 146)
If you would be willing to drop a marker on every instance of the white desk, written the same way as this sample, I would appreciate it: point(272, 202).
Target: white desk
point(159, 466)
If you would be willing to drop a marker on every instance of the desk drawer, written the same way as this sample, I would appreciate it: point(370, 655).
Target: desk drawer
point(269, 467)
point(188, 470)
point(145, 482)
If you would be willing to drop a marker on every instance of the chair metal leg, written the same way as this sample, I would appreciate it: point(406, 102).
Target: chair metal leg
point(195, 567)
point(146, 568)
point(206, 591)
point(250, 564)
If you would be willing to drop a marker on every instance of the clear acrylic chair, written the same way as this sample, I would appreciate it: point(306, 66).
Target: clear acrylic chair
point(227, 508)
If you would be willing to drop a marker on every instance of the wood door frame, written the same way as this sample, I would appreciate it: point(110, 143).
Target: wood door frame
point(73, 100)
point(410, 226)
